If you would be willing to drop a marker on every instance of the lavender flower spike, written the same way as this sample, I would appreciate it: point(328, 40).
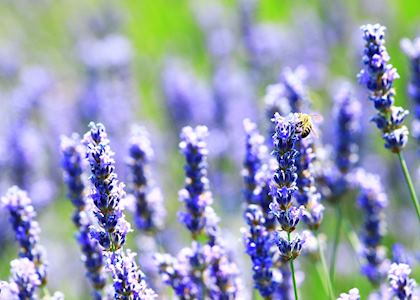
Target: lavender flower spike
point(347, 112)
point(401, 285)
point(412, 49)
point(108, 190)
point(24, 279)
point(255, 172)
point(372, 200)
point(72, 164)
point(352, 295)
point(22, 217)
point(283, 184)
point(258, 243)
point(149, 210)
point(378, 77)
point(196, 194)
point(256, 153)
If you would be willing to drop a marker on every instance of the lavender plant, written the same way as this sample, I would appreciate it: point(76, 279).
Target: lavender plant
point(27, 230)
point(378, 76)
point(256, 172)
point(372, 200)
point(258, 243)
point(73, 167)
point(128, 280)
point(201, 270)
point(283, 187)
point(149, 210)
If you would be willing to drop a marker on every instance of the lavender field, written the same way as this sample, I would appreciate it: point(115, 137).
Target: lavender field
point(226, 149)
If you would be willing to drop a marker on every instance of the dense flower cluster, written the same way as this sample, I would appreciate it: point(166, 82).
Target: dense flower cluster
point(24, 279)
point(378, 76)
point(412, 49)
point(401, 285)
point(128, 279)
point(347, 113)
point(256, 173)
point(258, 243)
point(196, 194)
point(22, 218)
point(73, 167)
point(149, 211)
point(283, 184)
point(204, 269)
point(108, 191)
point(372, 200)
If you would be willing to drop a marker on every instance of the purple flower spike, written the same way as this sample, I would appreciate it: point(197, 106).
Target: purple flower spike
point(27, 230)
point(73, 166)
point(196, 194)
point(378, 76)
point(108, 191)
point(149, 210)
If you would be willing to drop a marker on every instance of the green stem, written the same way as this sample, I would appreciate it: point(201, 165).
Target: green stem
point(292, 269)
point(409, 184)
point(353, 238)
point(327, 275)
point(336, 240)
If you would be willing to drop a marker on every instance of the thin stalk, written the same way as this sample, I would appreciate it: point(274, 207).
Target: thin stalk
point(409, 184)
point(320, 271)
point(325, 268)
point(353, 238)
point(336, 240)
point(292, 269)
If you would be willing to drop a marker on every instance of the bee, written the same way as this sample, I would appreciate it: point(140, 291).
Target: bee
point(306, 124)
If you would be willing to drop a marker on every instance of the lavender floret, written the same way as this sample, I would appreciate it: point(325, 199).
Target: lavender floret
point(401, 285)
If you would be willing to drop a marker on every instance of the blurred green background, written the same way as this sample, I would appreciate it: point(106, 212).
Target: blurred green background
point(45, 30)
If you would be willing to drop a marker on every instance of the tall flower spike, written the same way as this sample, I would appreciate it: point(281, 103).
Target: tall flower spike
point(372, 200)
point(128, 280)
point(412, 49)
point(307, 193)
point(256, 172)
point(27, 230)
point(149, 210)
point(195, 195)
point(72, 162)
point(283, 184)
point(108, 191)
point(401, 285)
point(347, 113)
point(258, 244)
point(378, 76)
